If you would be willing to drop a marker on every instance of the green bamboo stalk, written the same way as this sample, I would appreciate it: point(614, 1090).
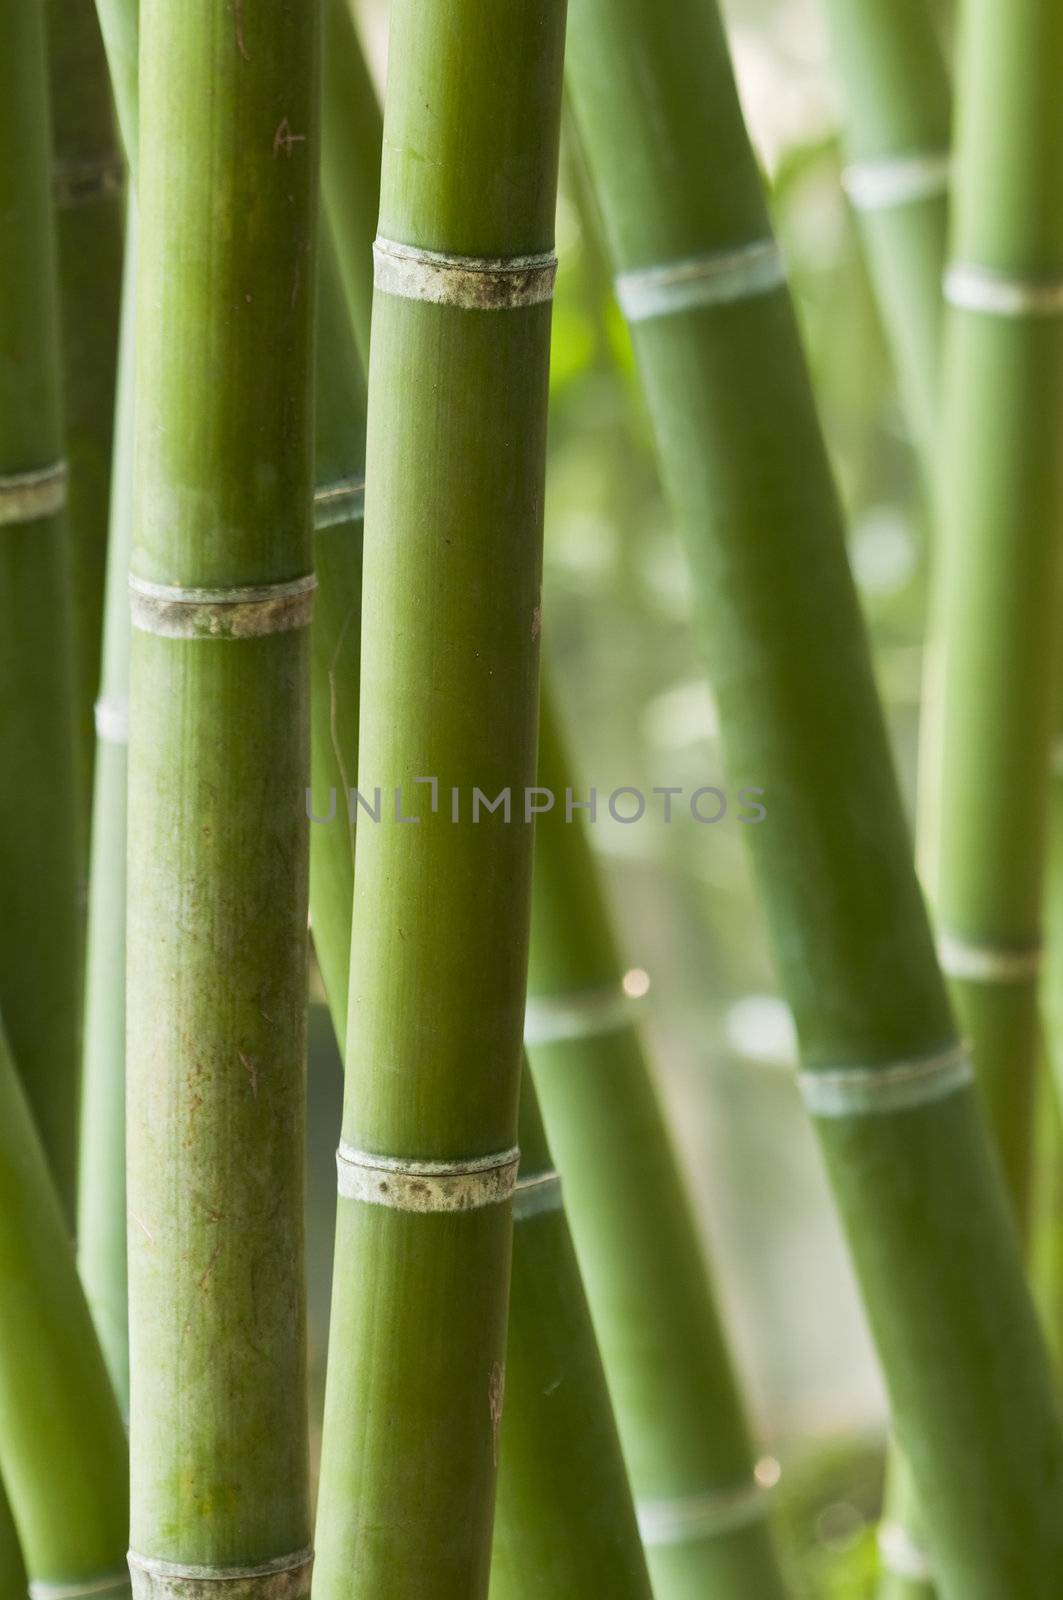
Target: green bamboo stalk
point(41, 865)
point(12, 1567)
point(102, 1188)
point(742, 453)
point(456, 457)
point(62, 1445)
point(89, 180)
point(350, 179)
point(218, 765)
point(686, 1439)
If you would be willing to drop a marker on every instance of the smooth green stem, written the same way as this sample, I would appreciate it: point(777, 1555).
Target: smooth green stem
point(41, 869)
point(916, 1183)
point(218, 766)
point(102, 1187)
point(350, 167)
point(88, 185)
point(456, 462)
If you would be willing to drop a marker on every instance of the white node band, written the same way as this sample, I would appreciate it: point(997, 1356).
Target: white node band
point(704, 1516)
point(879, 1091)
point(881, 182)
point(30, 496)
point(538, 1193)
point(997, 294)
point(714, 280)
point(552, 1019)
point(78, 183)
point(286, 1578)
point(901, 1555)
point(426, 1186)
point(472, 283)
point(978, 963)
point(111, 1586)
point(237, 613)
point(335, 503)
point(112, 719)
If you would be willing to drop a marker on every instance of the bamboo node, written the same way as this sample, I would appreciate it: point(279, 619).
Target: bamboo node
point(718, 279)
point(236, 613)
point(901, 1555)
point(472, 283)
point(78, 183)
point(983, 963)
point(286, 1578)
point(112, 719)
point(701, 1516)
point(407, 1185)
point(110, 1586)
point(342, 501)
point(536, 1194)
point(554, 1019)
point(880, 182)
point(973, 288)
point(30, 496)
point(894, 1086)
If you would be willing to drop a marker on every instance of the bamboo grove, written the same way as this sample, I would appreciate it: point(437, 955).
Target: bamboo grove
point(286, 723)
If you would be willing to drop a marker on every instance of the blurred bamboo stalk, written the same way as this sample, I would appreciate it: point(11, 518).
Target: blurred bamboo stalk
point(89, 179)
point(218, 764)
point(40, 835)
point(449, 686)
point(890, 1089)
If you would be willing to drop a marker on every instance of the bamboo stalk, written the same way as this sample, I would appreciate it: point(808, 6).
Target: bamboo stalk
point(919, 1193)
point(102, 1188)
point(62, 1445)
point(40, 869)
point(350, 179)
point(88, 184)
point(456, 457)
point(218, 764)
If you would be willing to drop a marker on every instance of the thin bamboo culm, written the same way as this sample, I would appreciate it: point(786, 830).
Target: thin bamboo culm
point(455, 468)
point(89, 179)
point(883, 1075)
point(221, 589)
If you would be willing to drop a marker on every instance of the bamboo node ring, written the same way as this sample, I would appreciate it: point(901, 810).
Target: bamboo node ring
point(983, 963)
point(286, 1578)
point(718, 279)
point(894, 1086)
point(236, 613)
point(342, 501)
point(901, 1555)
point(112, 719)
point(78, 183)
point(879, 182)
point(701, 1516)
point(472, 283)
point(973, 288)
point(409, 1185)
point(110, 1586)
point(536, 1194)
point(29, 496)
point(553, 1019)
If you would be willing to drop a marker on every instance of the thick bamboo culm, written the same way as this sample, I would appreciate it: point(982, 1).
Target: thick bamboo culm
point(221, 589)
point(88, 187)
point(686, 1439)
point(455, 469)
point(101, 1232)
point(883, 1075)
point(63, 1449)
point(41, 862)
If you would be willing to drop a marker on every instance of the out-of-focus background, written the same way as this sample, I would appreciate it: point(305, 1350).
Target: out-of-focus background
point(622, 649)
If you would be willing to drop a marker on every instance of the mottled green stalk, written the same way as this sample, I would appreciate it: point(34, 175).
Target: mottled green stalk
point(62, 1445)
point(456, 457)
point(101, 1186)
point(917, 1187)
point(88, 197)
point(218, 765)
point(686, 1440)
point(40, 852)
